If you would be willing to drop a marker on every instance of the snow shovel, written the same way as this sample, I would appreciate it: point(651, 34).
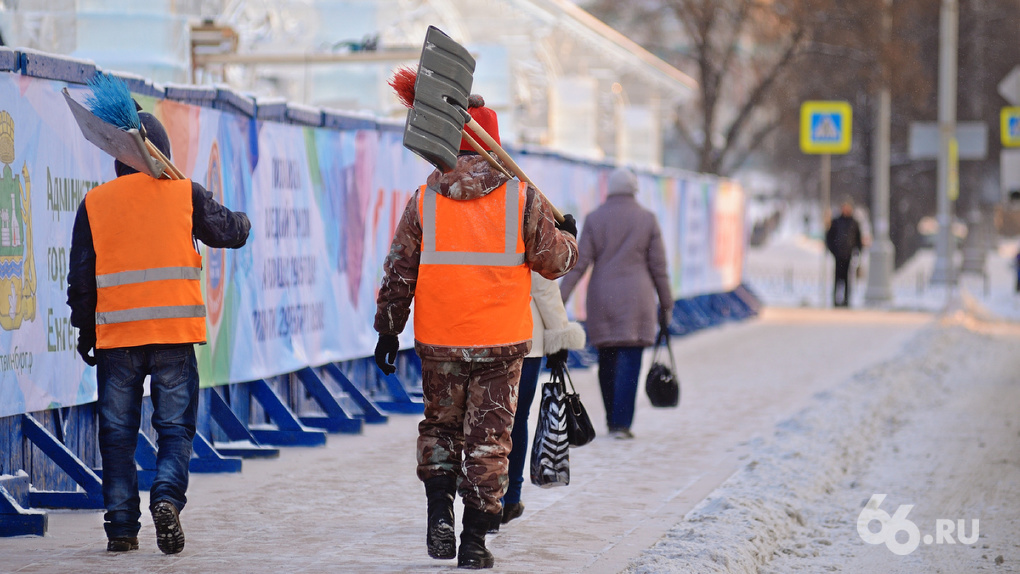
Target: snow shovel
point(438, 116)
point(127, 146)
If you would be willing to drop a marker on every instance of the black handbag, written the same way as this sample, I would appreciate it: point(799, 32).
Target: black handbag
point(662, 385)
point(580, 431)
point(550, 449)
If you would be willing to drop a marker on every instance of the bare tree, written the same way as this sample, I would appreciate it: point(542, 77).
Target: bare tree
point(757, 60)
point(738, 50)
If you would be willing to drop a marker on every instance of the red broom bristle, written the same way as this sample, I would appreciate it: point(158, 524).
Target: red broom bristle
point(402, 83)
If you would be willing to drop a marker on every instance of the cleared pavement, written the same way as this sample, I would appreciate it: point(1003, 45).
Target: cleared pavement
point(356, 506)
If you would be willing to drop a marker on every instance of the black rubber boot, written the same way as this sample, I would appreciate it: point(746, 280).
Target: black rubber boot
point(169, 534)
point(473, 553)
point(442, 536)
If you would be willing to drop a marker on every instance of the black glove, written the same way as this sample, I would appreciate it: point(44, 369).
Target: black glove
point(556, 361)
point(568, 225)
point(386, 353)
point(86, 341)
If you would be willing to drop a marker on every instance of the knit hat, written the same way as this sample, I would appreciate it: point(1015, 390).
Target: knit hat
point(622, 182)
point(486, 118)
point(155, 133)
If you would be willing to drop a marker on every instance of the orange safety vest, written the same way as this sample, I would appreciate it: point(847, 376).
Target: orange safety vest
point(148, 274)
point(474, 288)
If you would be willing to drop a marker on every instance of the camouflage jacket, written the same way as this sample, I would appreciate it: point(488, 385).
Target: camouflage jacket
point(547, 251)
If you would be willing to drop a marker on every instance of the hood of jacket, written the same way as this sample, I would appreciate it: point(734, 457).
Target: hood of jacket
point(472, 178)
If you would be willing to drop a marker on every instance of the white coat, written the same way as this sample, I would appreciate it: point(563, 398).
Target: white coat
point(552, 330)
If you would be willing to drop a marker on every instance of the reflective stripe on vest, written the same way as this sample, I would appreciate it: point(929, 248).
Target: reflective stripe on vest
point(144, 313)
point(144, 275)
point(148, 274)
point(473, 287)
point(508, 258)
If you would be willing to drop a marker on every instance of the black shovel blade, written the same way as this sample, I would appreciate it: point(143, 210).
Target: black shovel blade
point(445, 73)
point(126, 146)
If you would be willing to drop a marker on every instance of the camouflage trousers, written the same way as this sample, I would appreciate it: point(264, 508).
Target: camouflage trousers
point(469, 413)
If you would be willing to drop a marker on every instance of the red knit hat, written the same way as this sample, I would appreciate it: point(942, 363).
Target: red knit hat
point(486, 118)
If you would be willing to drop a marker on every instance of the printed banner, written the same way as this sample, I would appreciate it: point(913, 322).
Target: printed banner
point(323, 206)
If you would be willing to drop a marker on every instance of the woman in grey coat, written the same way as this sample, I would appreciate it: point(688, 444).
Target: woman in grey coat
point(628, 295)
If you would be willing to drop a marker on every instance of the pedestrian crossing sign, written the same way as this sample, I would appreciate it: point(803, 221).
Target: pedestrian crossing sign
point(825, 127)
point(1011, 127)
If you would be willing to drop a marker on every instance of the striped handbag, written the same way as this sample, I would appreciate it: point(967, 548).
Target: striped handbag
point(550, 461)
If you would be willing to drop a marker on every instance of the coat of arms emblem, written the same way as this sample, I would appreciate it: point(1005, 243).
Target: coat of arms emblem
point(17, 261)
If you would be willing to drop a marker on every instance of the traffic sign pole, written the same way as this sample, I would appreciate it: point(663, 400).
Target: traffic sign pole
point(943, 273)
point(824, 193)
point(882, 254)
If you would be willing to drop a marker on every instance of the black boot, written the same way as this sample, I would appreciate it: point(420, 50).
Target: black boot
point(442, 537)
point(473, 553)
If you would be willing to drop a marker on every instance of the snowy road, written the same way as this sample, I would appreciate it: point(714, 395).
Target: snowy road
point(935, 430)
point(952, 451)
point(356, 506)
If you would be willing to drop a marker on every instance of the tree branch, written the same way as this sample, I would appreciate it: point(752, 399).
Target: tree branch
point(687, 14)
point(738, 26)
point(756, 141)
point(685, 132)
point(759, 92)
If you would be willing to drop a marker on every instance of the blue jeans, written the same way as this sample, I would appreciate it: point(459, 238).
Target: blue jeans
point(619, 369)
point(174, 390)
point(519, 435)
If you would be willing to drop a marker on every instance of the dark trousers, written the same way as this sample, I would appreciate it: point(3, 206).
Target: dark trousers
point(519, 436)
point(174, 390)
point(841, 286)
point(619, 368)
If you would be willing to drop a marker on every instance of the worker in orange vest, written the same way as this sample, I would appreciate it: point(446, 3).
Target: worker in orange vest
point(464, 250)
point(134, 288)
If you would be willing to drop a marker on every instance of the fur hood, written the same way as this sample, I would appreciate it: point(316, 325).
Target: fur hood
point(472, 178)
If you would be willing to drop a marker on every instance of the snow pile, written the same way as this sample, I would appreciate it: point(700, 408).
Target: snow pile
point(755, 514)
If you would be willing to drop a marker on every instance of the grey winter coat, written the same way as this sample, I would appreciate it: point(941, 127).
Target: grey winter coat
point(629, 286)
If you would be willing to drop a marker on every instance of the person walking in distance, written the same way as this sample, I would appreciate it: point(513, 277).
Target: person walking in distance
point(134, 288)
point(628, 294)
point(464, 251)
point(843, 240)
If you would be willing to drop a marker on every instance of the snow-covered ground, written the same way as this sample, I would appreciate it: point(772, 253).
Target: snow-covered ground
point(936, 428)
point(788, 424)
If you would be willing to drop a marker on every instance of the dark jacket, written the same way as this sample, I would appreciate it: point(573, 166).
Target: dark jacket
point(843, 237)
point(547, 251)
point(212, 224)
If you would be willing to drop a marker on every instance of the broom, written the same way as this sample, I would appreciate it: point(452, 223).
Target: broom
point(403, 81)
point(111, 102)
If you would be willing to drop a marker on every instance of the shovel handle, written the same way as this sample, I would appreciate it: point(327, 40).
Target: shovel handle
point(171, 169)
point(501, 153)
point(481, 151)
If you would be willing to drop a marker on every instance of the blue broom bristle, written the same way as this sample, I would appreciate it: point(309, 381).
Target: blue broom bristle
point(111, 102)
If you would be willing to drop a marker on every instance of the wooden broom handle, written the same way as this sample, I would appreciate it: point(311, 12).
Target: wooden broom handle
point(501, 153)
point(481, 151)
point(171, 169)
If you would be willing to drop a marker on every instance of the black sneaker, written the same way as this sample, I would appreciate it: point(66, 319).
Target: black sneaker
point(169, 534)
point(121, 544)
